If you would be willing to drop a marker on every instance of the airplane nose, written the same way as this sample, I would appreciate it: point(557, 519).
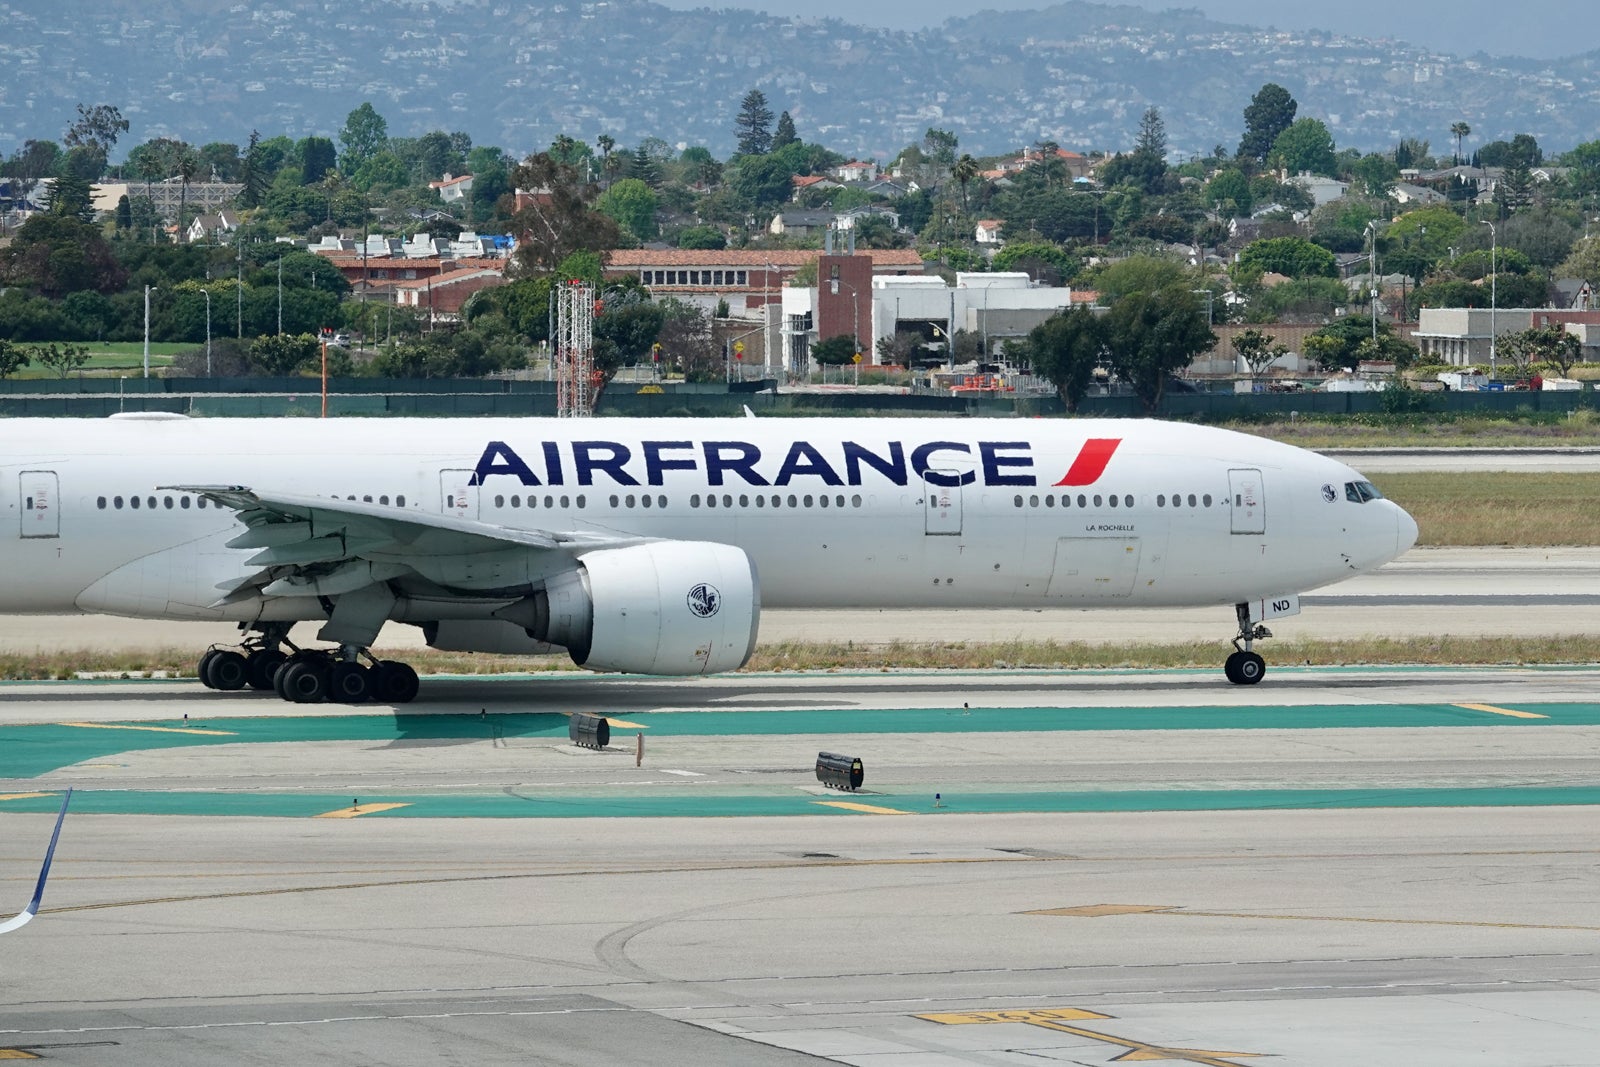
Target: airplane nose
point(1407, 530)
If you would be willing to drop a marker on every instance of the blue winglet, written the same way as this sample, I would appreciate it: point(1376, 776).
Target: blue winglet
point(21, 919)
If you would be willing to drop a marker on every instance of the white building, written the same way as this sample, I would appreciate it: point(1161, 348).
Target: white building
point(996, 307)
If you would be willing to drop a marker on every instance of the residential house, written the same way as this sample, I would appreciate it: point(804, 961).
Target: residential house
point(1322, 190)
point(854, 171)
point(442, 295)
point(1421, 195)
point(453, 188)
point(987, 231)
point(846, 220)
point(804, 182)
point(211, 228)
point(800, 223)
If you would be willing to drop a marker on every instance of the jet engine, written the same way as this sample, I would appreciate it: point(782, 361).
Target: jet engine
point(665, 607)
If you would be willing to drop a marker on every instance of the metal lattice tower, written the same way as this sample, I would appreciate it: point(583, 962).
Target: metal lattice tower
point(574, 351)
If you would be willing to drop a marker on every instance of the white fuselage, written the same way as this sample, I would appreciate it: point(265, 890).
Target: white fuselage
point(833, 512)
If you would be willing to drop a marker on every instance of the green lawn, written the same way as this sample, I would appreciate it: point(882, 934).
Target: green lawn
point(113, 356)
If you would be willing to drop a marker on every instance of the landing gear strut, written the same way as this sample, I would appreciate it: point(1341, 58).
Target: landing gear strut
point(307, 675)
point(1244, 666)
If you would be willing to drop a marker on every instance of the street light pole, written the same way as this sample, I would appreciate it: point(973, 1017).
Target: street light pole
point(1494, 293)
point(147, 291)
point(208, 331)
point(1372, 275)
point(280, 294)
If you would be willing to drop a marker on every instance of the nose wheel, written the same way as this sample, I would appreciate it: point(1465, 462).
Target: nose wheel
point(1244, 666)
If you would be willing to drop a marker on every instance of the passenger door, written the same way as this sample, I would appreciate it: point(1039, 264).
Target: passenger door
point(38, 493)
point(942, 504)
point(458, 497)
point(1247, 502)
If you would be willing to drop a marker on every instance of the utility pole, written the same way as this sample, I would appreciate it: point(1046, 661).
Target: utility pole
point(1372, 276)
point(280, 293)
point(147, 291)
point(1494, 295)
point(208, 331)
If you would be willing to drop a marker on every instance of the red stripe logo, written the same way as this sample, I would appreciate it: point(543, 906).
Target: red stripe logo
point(1091, 461)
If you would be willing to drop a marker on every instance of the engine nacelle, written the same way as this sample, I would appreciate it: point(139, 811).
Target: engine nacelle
point(485, 635)
point(666, 607)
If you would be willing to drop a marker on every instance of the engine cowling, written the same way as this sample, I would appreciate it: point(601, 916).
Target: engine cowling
point(483, 635)
point(667, 607)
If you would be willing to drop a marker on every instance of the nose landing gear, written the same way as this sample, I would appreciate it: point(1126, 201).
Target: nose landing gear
point(1244, 666)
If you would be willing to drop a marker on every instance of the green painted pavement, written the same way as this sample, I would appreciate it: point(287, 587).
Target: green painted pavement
point(282, 805)
point(26, 751)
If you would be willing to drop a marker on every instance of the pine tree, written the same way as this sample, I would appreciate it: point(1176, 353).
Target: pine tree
point(754, 124)
point(645, 168)
point(1271, 111)
point(785, 135)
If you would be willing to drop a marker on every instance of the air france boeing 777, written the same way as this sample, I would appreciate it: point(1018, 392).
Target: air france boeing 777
point(651, 545)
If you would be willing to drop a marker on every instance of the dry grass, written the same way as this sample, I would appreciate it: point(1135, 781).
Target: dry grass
point(1581, 428)
point(1499, 507)
point(845, 656)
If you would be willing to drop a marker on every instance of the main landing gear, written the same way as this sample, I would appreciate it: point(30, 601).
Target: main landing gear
point(307, 675)
point(1244, 666)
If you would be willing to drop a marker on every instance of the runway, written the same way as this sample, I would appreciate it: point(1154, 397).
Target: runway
point(1388, 866)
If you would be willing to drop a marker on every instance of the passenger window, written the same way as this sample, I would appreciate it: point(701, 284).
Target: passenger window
point(367, 499)
point(823, 500)
point(1083, 501)
point(1112, 500)
point(694, 500)
point(793, 502)
point(583, 501)
point(549, 502)
point(1033, 501)
point(839, 500)
point(399, 501)
point(855, 500)
point(566, 502)
point(201, 504)
point(1161, 500)
point(1050, 501)
point(1097, 500)
point(661, 501)
point(807, 500)
point(644, 501)
point(629, 500)
point(1207, 500)
point(1192, 501)
point(183, 502)
point(761, 501)
point(152, 503)
point(1127, 501)
point(133, 501)
point(516, 501)
point(384, 499)
point(101, 503)
point(499, 501)
point(727, 501)
point(1016, 500)
point(613, 500)
point(116, 502)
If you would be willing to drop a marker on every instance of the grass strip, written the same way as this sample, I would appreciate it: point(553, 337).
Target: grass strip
point(1503, 508)
point(900, 655)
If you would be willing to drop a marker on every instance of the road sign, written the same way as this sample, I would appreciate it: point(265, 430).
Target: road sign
point(738, 350)
point(856, 358)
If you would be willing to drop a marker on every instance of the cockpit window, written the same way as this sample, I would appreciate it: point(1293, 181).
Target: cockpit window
point(1361, 492)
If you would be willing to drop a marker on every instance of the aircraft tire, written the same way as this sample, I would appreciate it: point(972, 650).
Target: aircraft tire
point(349, 683)
point(304, 682)
point(395, 683)
point(1245, 668)
point(227, 671)
point(205, 661)
point(264, 666)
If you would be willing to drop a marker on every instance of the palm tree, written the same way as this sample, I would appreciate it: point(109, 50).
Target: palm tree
point(1458, 130)
point(1051, 165)
point(606, 143)
point(964, 171)
point(187, 163)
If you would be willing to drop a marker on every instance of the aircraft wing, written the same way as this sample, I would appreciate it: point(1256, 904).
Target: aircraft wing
point(327, 546)
point(21, 919)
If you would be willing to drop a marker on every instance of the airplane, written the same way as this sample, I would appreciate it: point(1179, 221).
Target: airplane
point(651, 545)
point(23, 917)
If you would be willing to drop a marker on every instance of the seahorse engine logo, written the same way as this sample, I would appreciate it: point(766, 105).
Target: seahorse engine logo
point(704, 600)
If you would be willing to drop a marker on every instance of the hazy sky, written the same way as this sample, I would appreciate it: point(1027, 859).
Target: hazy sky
point(1539, 28)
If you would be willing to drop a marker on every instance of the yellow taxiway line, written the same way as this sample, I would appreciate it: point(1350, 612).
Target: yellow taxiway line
point(867, 808)
point(151, 729)
point(1492, 710)
point(357, 810)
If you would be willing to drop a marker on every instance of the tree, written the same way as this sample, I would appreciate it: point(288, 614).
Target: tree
point(1542, 344)
point(1137, 274)
point(557, 220)
point(965, 172)
point(1271, 111)
point(32, 163)
point(1229, 192)
point(1042, 261)
point(1294, 257)
point(252, 173)
point(706, 237)
point(1347, 341)
point(606, 143)
point(940, 146)
point(784, 136)
point(1583, 262)
point(364, 134)
point(1377, 174)
point(317, 158)
point(1259, 350)
point(281, 355)
point(63, 359)
point(1306, 146)
point(633, 205)
point(13, 357)
point(906, 348)
point(1458, 130)
point(1066, 348)
point(836, 351)
point(96, 128)
point(59, 254)
point(753, 125)
point(72, 197)
point(1153, 335)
